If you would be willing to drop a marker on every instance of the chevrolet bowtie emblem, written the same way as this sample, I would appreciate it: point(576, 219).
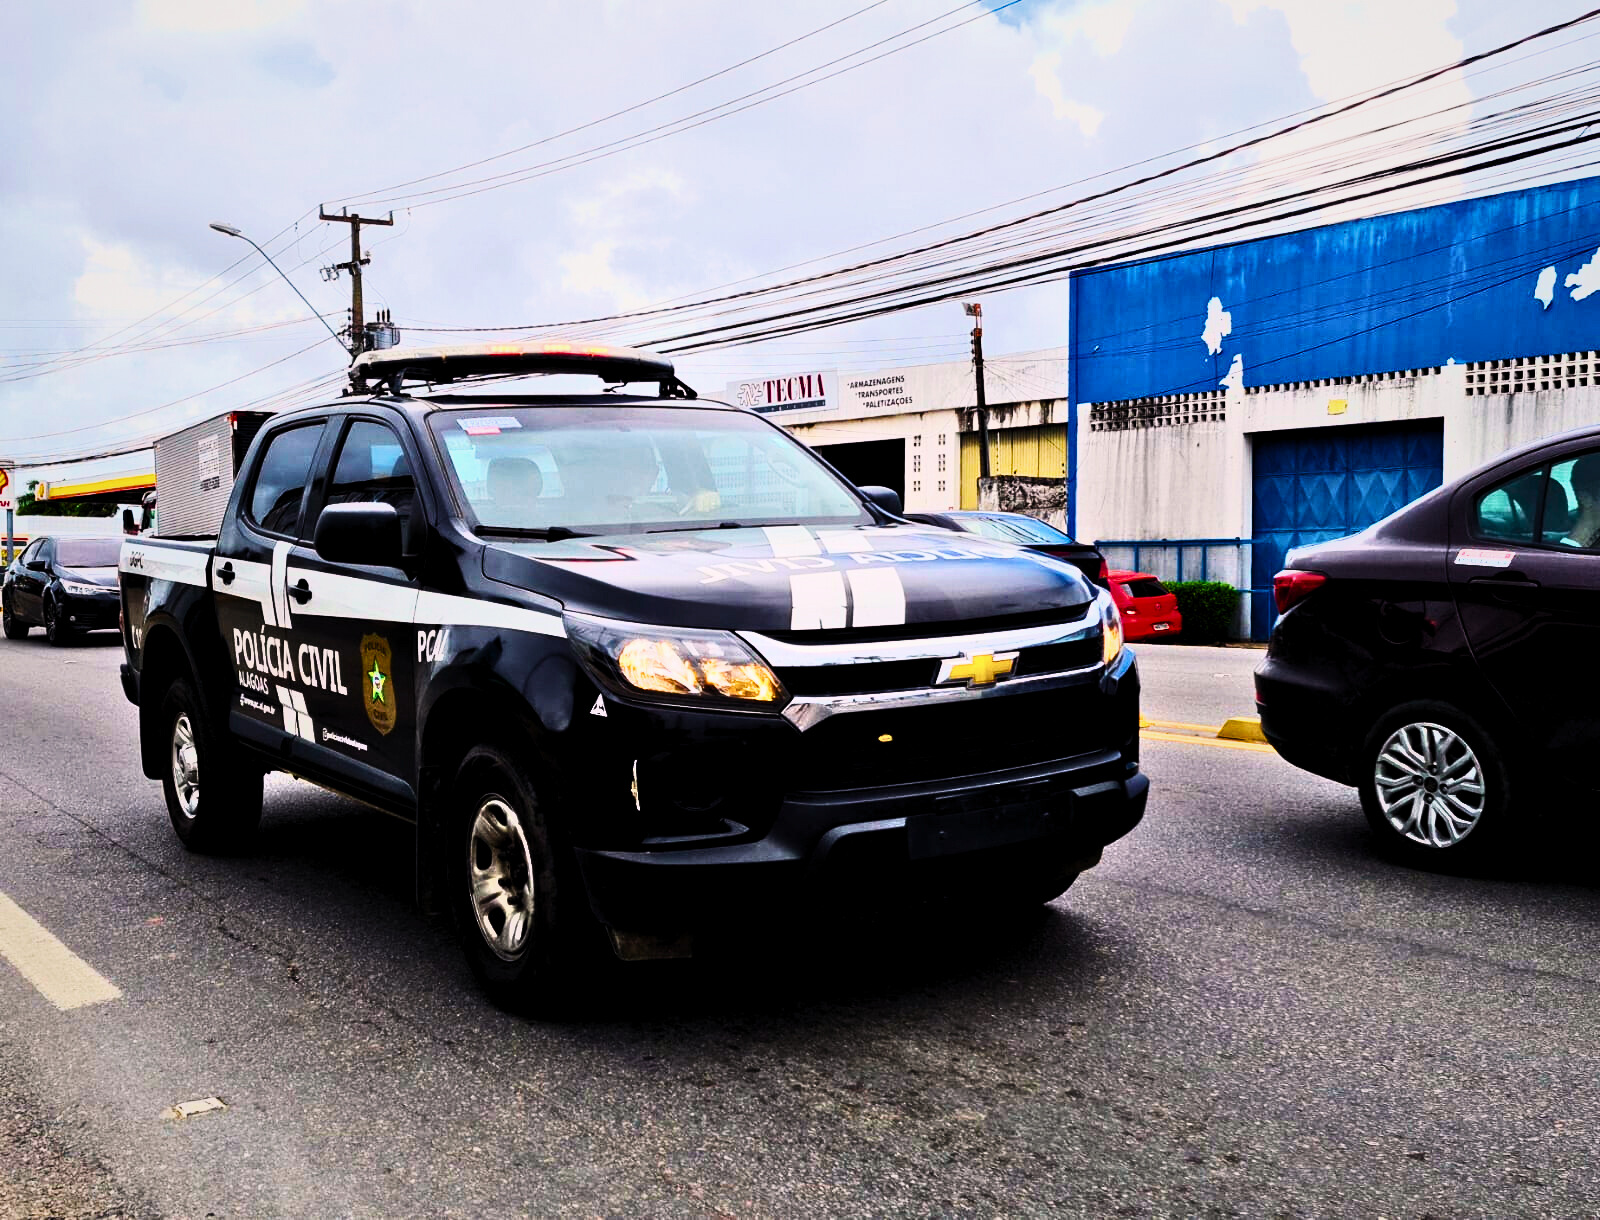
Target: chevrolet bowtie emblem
point(979, 670)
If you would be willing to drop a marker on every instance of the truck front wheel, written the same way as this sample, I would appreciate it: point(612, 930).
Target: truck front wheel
point(518, 904)
point(213, 797)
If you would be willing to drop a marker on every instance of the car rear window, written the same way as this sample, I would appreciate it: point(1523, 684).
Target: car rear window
point(1147, 587)
point(88, 552)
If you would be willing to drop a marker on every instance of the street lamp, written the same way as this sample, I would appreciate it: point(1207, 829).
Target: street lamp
point(230, 231)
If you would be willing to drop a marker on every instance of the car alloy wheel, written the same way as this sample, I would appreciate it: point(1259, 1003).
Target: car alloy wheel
point(501, 872)
point(1430, 785)
point(185, 766)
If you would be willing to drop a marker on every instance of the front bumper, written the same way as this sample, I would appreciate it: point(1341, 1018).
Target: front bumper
point(1005, 829)
point(96, 612)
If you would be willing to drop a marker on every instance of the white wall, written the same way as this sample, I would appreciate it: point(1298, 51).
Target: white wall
point(1168, 482)
point(931, 426)
point(1485, 426)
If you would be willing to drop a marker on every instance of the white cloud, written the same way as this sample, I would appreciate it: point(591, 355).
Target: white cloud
point(1349, 45)
point(1103, 24)
point(216, 16)
point(1235, 379)
point(1045, 79)
point(589, 273)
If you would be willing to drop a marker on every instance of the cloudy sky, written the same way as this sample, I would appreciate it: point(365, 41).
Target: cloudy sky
point(128, 126)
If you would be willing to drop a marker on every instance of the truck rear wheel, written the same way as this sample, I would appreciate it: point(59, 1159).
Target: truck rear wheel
point(213, 796)
point(517, 901)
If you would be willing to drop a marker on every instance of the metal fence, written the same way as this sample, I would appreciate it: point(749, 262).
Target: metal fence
point(1179, 559)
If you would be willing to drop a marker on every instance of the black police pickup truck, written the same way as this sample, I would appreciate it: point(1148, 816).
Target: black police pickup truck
point(639, 664)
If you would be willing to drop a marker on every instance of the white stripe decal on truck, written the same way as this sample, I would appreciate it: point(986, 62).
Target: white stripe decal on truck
point(790, 541)
point(818, 600)
point(455, 611)
point(337, 596)
point(877, 598)
point(164, 563)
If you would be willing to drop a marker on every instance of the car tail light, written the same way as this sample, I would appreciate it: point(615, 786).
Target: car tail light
point(1291, 586)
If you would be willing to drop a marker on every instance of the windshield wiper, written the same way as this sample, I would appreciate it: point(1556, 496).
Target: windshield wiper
point(701, 525)
point(553, 533)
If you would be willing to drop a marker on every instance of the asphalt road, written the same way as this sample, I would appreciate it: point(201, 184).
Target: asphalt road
point(1243, 1011)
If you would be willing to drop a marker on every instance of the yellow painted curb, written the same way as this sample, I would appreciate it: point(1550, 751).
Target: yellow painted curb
point(1242, 728)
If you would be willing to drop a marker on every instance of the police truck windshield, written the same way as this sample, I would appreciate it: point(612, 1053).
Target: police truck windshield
point(627, 469)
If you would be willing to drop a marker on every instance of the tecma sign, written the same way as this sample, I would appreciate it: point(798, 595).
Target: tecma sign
point(797, 392)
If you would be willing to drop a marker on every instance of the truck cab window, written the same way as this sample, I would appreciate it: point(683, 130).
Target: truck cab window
point(373, 469)
point(281, 481)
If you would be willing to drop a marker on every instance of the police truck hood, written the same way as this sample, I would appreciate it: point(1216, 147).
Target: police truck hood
point(795, 578)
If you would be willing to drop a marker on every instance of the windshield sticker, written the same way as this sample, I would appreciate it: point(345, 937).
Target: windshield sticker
point(377, 692)
point(492, 425)
point(1473, 557)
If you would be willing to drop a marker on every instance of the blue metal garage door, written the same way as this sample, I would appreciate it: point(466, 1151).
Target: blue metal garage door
point(1321, 483)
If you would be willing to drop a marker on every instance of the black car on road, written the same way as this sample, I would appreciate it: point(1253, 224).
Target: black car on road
point(639, 666)
point(63, 584)
point(1446, 660)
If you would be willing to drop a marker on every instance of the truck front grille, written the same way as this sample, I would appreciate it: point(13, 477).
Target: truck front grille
point(873, 749)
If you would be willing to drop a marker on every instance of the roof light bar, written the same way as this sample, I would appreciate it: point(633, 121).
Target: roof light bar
point(459, 361)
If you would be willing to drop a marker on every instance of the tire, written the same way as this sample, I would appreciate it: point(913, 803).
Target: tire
point(222, 815)
point(15, 628)
point(1434, 787)
point(520, 912)
point(56, 629)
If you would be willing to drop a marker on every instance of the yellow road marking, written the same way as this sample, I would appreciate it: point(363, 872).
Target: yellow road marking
point(1218, 742)
point(1210, 729)
point(59, 974)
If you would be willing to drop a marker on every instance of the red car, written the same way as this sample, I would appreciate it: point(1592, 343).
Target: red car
point(1148, 610)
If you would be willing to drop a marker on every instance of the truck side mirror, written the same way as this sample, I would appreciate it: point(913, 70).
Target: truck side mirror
point(359, 533)
point(129, 525)
point(886, 498)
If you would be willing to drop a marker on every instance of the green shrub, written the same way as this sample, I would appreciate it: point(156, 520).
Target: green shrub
point(1209, 608)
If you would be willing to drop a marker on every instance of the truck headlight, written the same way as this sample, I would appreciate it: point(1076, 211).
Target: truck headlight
point(1110, 630)
point(674, 662)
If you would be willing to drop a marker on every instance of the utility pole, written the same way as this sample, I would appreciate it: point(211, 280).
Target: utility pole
point(358, 327)
point(975, 310)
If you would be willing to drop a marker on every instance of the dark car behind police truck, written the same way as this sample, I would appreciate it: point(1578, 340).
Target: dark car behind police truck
point(639, 664)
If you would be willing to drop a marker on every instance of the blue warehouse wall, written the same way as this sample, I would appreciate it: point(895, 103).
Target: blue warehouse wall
point(1408, 290)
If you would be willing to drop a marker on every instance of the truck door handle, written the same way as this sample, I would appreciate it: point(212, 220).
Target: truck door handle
point(300, 592)
point(225, 573)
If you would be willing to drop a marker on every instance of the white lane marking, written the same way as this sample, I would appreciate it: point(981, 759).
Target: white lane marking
point(790, 541)
point(59, 974)
point(844, 542)
point(280, 582)
point(878, 598)
point(818, 600)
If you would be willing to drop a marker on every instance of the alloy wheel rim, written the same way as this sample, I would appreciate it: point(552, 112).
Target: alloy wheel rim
point(501, 872)
point(1430, 784)
point(185, 765)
